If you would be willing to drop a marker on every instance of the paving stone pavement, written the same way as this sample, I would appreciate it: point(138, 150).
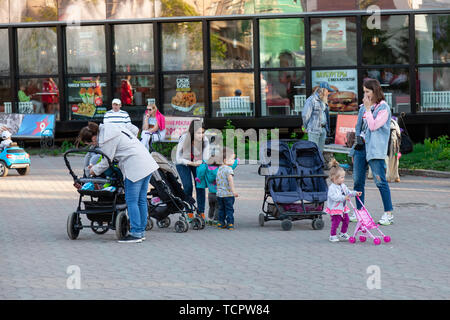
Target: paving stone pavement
point(251, 262)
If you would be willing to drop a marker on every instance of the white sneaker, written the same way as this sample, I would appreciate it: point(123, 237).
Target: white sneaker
point(352, 217)
point(334, 239)
point(344, 236)
point(386, 219)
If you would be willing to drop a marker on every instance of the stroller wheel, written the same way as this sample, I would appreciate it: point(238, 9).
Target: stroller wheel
point(387, 239)
point(362, 238)
point(72, 230)
point(286, 225)
point(186, 226)
point(262, 219)
point(203, 223)
point(376, 241)
point(163, 223)
point(122, 225)
point(179, 226)
point(352, 239)
point(318, 224)
point(99, 227)
point(196, 223)
point(149, 224)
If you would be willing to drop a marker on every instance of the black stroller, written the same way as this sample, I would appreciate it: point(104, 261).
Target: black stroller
point(295, 182)
point(105, 209)
point(167, 197)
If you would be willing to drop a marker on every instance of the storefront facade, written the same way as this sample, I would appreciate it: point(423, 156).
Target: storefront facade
point(195, 57)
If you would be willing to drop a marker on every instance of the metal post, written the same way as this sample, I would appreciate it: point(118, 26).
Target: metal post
point(207, 71)
point(256, 68)
point(13, 67)
point(64, 108)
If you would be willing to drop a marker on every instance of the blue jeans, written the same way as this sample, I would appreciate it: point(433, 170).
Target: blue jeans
point(226, 210)
point(378, 167)
point(318, 138)
point(136, 198)
point(187, 176)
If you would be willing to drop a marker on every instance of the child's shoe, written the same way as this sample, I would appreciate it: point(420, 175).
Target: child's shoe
point(386, 219)
point(230, 226)
point(344, 236)
point(352, 217)
point(221, 225)
point(334, 239)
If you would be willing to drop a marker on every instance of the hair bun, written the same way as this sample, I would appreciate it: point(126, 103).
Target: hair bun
point(333, 163)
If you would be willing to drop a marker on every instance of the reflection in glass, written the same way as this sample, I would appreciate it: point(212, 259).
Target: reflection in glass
point(395, 85)
point(184, 95)
point(231, 44)
point(133, 54)
point(282, 43)
point(38, 95)
point(227, 7)
point(276, 6)
point(388, 45)
point(4, 49)
point(386, 5)
point(182, 46)
point(33, 10)
point(4, 11)
point(134, 91)
point(37, 49)
point(178, 8)
point(126, 9)
point(327, 5)
point(5, 96)
point(232, 94)
point(86, 49)
point(282, 92)
point(433, 38)
point(434, 86)
point(77, 10)
point(333, 41)
point(86, 97)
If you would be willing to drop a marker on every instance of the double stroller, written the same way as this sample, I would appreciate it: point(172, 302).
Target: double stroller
point(103, 203)
point(167, 197)
point(295, 182)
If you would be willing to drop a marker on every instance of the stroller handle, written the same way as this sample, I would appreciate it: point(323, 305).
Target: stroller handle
point(297, 176)
point(74, 176)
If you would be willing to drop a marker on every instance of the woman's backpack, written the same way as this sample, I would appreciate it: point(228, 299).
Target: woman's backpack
point(406, 144)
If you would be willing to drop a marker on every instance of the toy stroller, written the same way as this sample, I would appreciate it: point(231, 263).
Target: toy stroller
point(366, 223)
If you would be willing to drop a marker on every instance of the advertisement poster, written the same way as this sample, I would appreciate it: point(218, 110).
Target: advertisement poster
point(344, 123)
point(185, 99)
point(334, 35)
point(10, 122)
point(28, 125)
point(345, 83)
point(85, 97)
point(176, 126)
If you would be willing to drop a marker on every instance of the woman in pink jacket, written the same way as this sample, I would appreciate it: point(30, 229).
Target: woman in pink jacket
point(153, 126)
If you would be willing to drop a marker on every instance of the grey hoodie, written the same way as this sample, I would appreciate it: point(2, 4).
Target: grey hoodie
point(120, 143)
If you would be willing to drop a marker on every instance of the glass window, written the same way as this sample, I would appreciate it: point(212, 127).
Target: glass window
point(276, 6)
point(86, 49)
point(282, 92)
point(4, 11)
point(434, 84)
point(333, 41)
point(327, 5)
point(227, 7)
point(29, 10)
point(386, 5)
point(182, 46)
point(282, 43)
point(86, 97)
point(388, 45)
point(4, 48)
point(232, 94)
point(43, 93)
point(345, 84)
point(184, 95)
point(179, 8)
point(38, 53)
point(5, 96)
point(134, 91)
point(75, 10)
point(432, 38)
point(231, 44)
point(395, 85)
point(125, 9)
point(133, 54)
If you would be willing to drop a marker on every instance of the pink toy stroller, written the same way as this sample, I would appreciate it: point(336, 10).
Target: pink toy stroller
point(366, 223)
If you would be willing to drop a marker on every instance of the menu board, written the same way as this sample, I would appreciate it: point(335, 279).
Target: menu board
point(334, 35)
point(85, 97)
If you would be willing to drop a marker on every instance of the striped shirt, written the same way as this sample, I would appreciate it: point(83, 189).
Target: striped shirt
point(120, 117)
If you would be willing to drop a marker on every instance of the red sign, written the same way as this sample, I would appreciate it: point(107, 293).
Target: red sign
point(344, 123)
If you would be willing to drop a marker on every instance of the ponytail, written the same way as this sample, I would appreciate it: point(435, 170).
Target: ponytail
point(86, 133)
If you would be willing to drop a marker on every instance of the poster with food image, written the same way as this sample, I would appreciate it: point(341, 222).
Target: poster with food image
point(185, 99)
point(334, 35)
point(85, 98)
point(345, 84)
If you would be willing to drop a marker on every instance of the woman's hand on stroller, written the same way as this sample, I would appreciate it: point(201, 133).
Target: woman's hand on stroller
point(90, 170)
point(358, 193)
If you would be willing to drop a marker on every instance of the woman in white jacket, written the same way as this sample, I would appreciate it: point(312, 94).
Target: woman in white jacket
point(192, 150)
point(135, 162)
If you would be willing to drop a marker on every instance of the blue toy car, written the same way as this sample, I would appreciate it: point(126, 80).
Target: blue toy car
point(14, 157)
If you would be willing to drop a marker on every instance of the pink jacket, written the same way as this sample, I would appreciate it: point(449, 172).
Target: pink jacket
point(161, 120)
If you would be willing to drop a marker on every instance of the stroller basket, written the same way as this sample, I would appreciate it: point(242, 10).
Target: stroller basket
point(96, 193)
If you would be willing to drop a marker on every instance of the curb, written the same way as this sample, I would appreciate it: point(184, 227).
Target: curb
point(425, 173)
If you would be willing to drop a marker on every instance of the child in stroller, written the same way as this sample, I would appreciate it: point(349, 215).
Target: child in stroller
point(105, 207)
point(295, 181)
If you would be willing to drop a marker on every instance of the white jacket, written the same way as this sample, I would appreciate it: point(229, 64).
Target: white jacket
point(336, 203)
point(184, 157)
point(119, 142)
